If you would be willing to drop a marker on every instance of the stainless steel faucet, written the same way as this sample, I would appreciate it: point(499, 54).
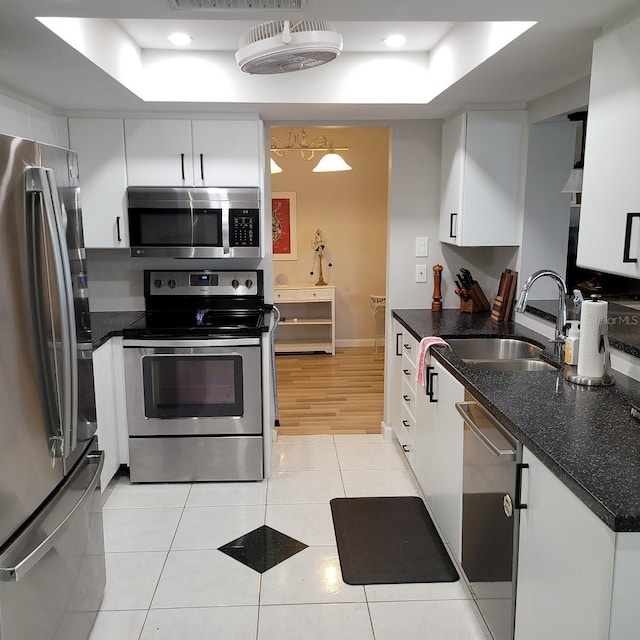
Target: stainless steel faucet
point(561, 316)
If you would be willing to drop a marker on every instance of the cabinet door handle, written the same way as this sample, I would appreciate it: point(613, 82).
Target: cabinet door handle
point(427, 383)
point(519, 467)
point(627, 238)
point(405, 448)
point(407, 398)
point(118, 228)
point(182, 164)
point(407, 347)
point(451, 234)
point(432, 398)
point(406, 424)
point(406, 372)
point(202, 166)
point(398, 347)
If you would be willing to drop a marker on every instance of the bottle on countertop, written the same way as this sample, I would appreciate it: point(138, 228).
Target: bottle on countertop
point(572, 343)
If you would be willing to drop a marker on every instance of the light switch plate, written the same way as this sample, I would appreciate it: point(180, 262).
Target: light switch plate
point(422, 247)
point(421, 273)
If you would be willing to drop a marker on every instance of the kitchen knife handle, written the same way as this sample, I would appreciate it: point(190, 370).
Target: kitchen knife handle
point(451, 234)
point(627, 238)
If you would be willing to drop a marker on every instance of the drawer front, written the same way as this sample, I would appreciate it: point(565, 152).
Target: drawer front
point(315, 294)
point(409, 395)
point(410, 348)
point(285, 296)
point(409, 372)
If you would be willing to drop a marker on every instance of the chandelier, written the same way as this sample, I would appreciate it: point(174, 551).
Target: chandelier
point(297, 141)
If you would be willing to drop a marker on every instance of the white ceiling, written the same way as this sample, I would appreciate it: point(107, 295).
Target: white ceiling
point(36, 64)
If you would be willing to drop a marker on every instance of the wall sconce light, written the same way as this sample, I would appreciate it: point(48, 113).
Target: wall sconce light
point(298, 142)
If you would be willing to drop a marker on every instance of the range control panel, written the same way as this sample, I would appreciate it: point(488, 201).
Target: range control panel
point(202, 282)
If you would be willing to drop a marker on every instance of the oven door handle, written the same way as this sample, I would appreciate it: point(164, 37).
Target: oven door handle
point(179, 342)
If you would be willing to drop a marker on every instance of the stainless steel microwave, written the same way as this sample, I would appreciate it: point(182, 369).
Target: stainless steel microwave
point(194, 222)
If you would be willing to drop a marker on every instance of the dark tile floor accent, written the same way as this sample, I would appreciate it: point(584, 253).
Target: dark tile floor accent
point(262, 548)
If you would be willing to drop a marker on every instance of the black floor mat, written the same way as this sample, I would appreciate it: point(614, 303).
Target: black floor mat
point(389, 541)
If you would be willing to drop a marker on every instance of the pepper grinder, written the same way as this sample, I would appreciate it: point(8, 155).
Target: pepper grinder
point(436, 305)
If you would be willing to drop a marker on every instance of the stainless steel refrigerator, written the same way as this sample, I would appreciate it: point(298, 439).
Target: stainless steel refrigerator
point(52, 572)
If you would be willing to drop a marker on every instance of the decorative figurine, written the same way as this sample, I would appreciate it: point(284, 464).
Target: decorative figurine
point(319, 252)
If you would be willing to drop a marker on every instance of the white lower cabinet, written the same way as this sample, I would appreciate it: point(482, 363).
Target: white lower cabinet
point(108, 375)
point(439, 442)
point(565, 562)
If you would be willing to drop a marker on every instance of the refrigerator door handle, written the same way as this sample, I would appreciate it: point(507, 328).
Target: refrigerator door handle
point(42, 182)
point(16, 569)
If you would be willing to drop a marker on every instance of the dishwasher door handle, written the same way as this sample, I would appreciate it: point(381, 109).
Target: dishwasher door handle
point(504, 455)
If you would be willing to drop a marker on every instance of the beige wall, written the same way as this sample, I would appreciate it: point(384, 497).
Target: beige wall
point(351, 208)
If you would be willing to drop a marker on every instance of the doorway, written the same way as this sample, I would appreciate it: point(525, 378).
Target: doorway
point(321, 393)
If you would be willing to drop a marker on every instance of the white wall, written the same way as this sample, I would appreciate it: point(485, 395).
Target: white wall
point(17, 118)
point(546, 209)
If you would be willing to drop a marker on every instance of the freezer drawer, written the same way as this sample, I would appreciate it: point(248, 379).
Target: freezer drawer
point(52, 576)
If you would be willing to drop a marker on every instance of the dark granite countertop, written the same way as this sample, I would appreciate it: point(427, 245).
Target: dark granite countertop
point(106, 324)
point(585, 435)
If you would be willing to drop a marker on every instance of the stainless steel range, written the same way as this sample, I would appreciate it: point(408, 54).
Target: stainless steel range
point(193, 369)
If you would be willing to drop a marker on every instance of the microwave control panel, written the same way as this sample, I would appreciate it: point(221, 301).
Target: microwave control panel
point(244, 227)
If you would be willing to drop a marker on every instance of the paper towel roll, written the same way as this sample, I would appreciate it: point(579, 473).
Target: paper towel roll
point(591, 361)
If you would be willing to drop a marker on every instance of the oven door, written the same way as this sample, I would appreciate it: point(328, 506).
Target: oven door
point(193, 387)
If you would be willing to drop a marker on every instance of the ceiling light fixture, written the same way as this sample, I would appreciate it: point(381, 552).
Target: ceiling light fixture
point(574, 183)
point(180, 39)
point(275, 167)
point(297, 141)
point(394, 41)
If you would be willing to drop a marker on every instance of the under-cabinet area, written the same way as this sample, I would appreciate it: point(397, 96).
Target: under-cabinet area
point(307, 319)
point(556, 489)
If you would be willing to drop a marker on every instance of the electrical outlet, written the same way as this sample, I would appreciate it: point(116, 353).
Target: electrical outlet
point(421, 273)
point(422, 247)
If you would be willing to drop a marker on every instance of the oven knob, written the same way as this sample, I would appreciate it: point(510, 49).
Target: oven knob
point(172, 283)
point(235, 284)
point(248, 284)
point(158, 283)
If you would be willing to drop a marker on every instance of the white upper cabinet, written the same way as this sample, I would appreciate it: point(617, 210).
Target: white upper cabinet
point(609, 238)
point(482, 163)
point(220, 153)
point(99, 144)
point(159, 153)
point(227, 153)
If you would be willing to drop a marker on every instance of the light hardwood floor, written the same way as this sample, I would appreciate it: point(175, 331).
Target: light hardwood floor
point(324, 394)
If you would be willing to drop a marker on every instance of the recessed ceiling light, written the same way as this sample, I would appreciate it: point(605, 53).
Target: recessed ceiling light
point(394, 41)
point(180, 39)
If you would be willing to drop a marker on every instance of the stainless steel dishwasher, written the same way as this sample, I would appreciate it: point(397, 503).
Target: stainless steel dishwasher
point(490, 515)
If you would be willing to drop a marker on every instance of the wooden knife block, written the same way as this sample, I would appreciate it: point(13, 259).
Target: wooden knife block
point(476, 301)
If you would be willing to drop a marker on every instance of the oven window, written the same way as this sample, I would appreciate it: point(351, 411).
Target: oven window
point(192, 386)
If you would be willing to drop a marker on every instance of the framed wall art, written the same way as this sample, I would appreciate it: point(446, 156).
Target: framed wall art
point(283, 226)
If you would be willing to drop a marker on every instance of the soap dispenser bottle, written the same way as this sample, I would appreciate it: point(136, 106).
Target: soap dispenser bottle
point(572, 343)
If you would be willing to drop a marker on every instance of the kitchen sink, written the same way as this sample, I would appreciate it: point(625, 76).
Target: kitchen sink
point(493, 349)
point(500, 354)
point(514, 365)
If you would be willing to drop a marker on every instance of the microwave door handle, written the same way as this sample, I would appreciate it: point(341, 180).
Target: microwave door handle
point(226, 250)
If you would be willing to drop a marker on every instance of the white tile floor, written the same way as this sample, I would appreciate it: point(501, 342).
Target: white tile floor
point(166, 580)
